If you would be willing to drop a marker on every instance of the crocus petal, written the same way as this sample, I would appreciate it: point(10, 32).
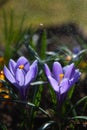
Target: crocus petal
point(34, 64)
point(23, 61)
point(31, 74)
point(12, 65)
point(19, 77)
point(69, 72)
point(64, 86)
point(35, 67)
point(53, 83)
point(75, 77)
point(47, 70)
point(65, 68)
point(77, 74)
point(57, 70)
point(8, 75)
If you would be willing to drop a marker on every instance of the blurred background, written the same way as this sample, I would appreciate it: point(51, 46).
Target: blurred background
point(46, 12)
point(58, 17)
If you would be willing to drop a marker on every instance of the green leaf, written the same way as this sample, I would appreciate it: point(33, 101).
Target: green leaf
point(70, 93)
point(53, 96)
point(31, 51)
point(2, 126)
point(25, 103)
point(47, 125)
point(80, 101)
point(5, 25)
point(38, 83)
point(43, 45)
point(73, 110)
point(77, 103)
point(80, 117)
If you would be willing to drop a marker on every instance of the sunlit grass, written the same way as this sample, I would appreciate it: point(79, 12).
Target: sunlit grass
point(48, 12)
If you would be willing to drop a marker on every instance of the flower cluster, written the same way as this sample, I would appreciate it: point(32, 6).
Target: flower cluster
point(21, 74)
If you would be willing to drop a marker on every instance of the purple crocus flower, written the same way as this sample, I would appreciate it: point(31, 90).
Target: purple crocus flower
point(21, 74)
point(76, 50)
point(62, 79)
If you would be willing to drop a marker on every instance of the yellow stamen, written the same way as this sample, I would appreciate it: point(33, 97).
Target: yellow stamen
point(21, 67)
point(2, 77)
point(61, 77)
point(6, 96)
point(68, 58)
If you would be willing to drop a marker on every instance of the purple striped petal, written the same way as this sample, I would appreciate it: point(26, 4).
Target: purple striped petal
point(64, 86)
point(65, 68)
point(77, 74)
point(8, 75)
point(53, 83)
point(19, 77)
point(31, 74)
point(47, 70)
point(75, 78)
point(23, 61)
point(12, 65)
point(57, 70)
point(69, 72)
point(34, 65)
